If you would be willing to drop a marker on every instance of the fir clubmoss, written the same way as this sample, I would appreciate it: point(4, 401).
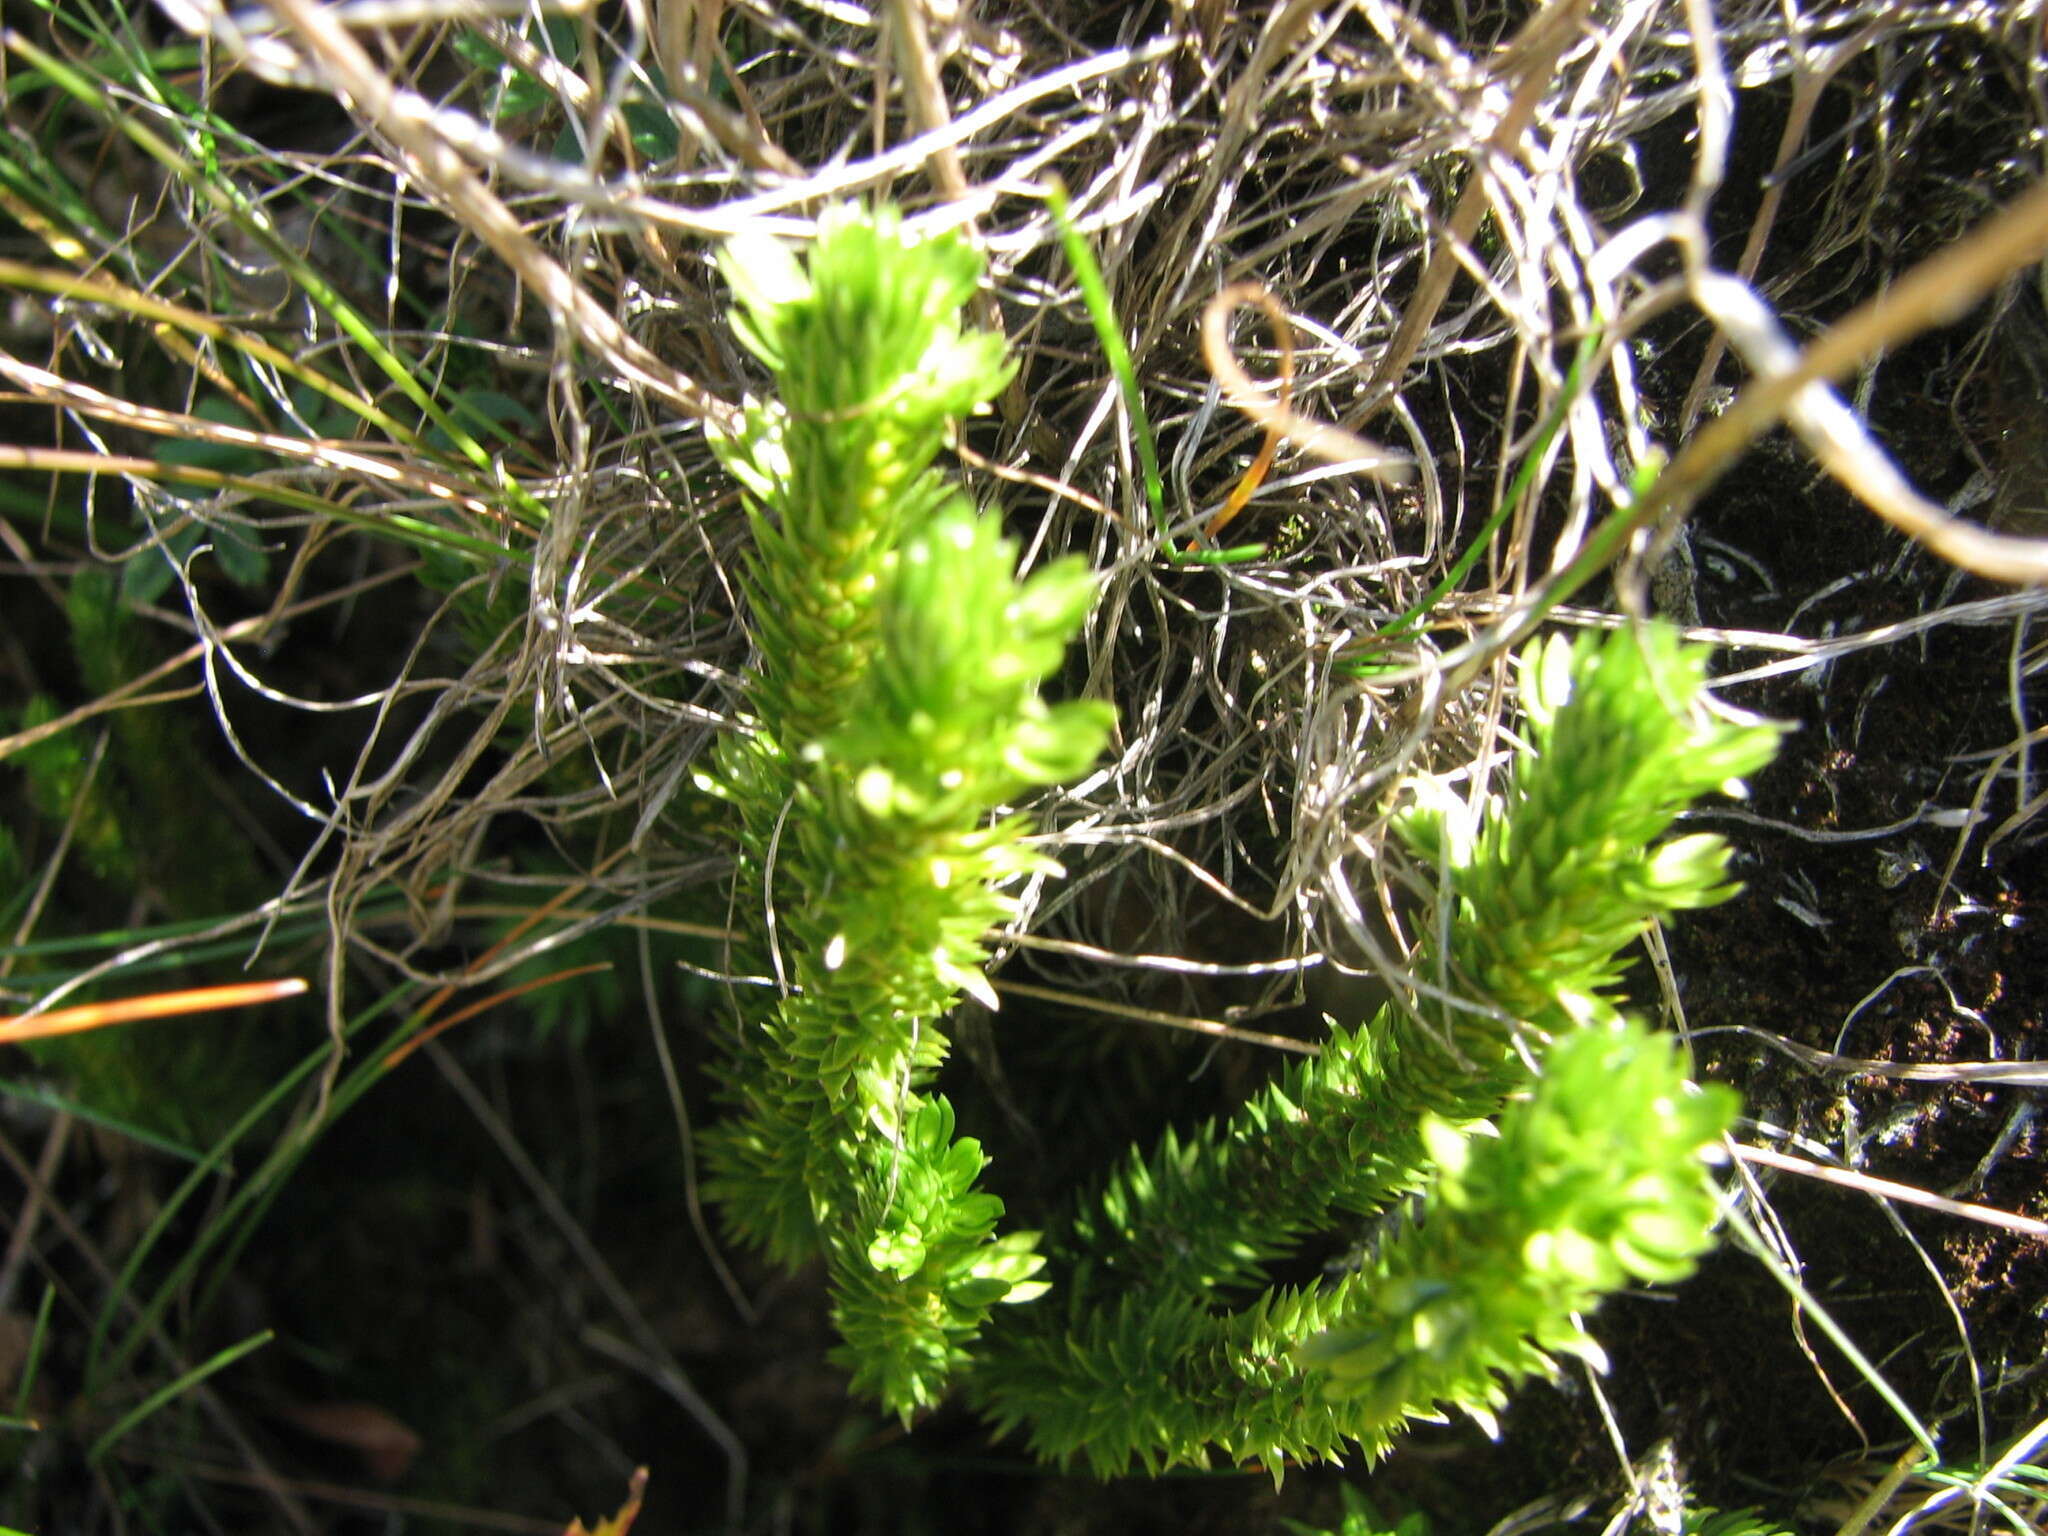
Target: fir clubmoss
point(895, 710)
point(1554, 1149)
point(1555, 1145)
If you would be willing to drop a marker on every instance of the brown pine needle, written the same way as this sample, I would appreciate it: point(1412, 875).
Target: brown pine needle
point(156, 1005)
point(471, 1010)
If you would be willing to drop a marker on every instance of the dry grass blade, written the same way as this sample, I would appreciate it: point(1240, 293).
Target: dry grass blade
point(1891, 1189)
point(1331, 444)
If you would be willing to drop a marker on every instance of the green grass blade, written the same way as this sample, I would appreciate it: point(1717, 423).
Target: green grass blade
point(1809, 1306)
point(1095, 294)
point(173, 1390)
point(396, 526)
point(67, 285)
point(1525, 475)
point(104, 1364)
point(48, 1099)
point(32, 1360)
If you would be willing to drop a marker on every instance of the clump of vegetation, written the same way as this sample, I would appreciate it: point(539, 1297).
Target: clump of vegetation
point(495, 541)
point(895, 708)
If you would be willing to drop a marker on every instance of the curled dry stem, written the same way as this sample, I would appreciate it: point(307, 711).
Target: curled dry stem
point(1332, 444)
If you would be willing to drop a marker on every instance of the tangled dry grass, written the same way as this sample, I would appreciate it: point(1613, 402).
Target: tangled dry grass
point(1443, 215)
point(1360, 165)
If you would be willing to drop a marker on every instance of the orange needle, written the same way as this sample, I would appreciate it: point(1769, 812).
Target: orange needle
point(157, 1005)
point(471, 1010)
